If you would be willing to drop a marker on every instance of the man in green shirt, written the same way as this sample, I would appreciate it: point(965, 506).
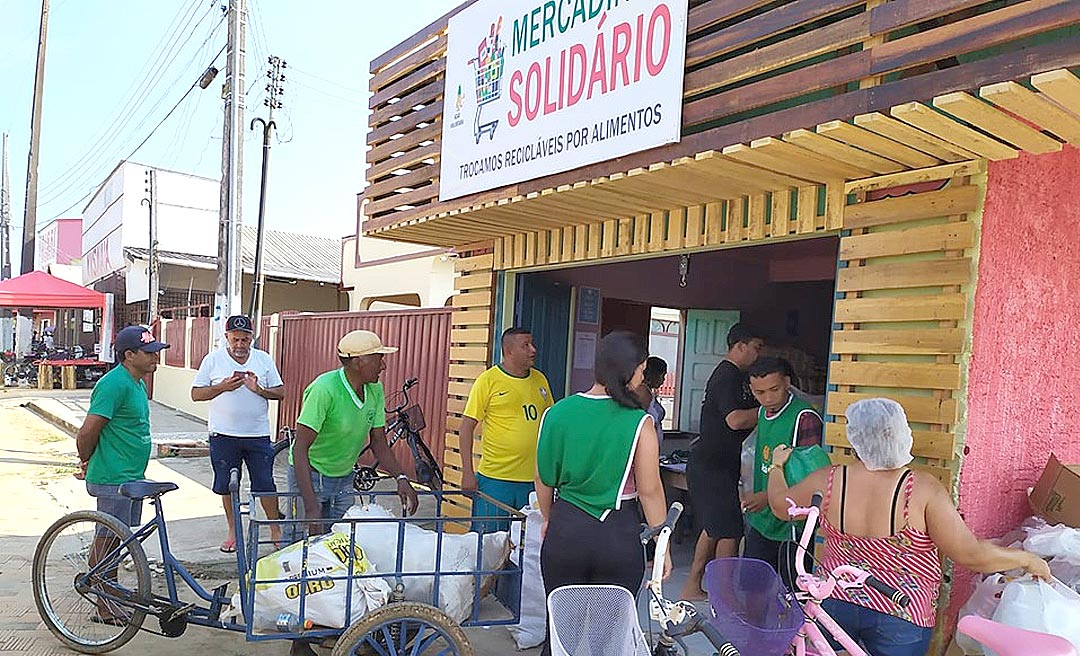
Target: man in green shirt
point(342, 409)
point(114, 442)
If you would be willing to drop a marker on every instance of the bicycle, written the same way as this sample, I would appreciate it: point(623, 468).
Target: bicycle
point(1011, 641)
point(93, 590)
point(574, 609)
point(406, 423)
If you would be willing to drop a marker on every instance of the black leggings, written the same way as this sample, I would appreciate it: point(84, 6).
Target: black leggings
point(579, 549)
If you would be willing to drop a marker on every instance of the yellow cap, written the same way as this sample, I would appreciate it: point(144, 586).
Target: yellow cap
point(362, 342)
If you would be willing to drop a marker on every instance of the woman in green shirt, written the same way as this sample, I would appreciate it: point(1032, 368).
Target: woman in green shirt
point(598, 451)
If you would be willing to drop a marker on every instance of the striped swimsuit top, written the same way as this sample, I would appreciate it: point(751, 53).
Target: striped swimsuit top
point(906, 559)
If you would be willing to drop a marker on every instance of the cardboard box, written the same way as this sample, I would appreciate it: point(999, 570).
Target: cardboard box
point(1056, 496)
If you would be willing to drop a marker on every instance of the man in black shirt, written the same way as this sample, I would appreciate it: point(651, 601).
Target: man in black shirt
point(728, 414)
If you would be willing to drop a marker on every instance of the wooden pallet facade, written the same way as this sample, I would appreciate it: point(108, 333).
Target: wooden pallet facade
point(755, 70)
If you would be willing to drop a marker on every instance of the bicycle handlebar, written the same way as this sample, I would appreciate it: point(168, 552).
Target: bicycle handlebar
point(673, 514)
point(896, 596)
point(408, 385)
point(723, 647)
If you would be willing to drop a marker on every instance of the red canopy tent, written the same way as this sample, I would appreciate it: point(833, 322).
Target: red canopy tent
point(38, 289)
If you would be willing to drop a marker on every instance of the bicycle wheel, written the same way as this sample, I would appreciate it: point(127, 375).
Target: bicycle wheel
point(404, 628)
point(71, 604)
point(281, 473)
point(427, 469)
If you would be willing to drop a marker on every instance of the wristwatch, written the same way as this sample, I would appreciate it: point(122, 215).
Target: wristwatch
point(775, 466)
point(403, 477)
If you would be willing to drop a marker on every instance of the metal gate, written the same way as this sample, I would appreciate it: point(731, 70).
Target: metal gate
point(307, 347)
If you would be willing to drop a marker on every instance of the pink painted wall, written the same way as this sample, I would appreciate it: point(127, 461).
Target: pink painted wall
point(1024, 381)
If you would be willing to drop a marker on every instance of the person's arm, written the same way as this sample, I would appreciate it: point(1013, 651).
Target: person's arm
point(545, 496)
point(742, 419)
point(86, 440)
point(801, 493)
point(952, 536)
point(213, 391)
point(388, 462)
point(305, 437)
point(810, 429)
point(275, 387)
point(650, 487)
point(466, 436)
point(251, 381)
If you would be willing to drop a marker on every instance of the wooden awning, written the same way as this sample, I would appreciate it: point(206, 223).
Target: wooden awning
point(998, 122)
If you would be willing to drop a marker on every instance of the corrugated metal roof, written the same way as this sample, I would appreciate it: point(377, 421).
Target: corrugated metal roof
point(285, 255)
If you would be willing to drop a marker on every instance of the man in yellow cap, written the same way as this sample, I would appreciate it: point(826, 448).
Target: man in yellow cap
point(342, 409)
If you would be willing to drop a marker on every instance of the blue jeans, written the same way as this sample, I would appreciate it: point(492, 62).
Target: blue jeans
point(334, 494)
point(879, 634)
point(111, 502)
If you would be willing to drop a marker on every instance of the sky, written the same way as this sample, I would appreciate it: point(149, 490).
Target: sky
point(115, 68)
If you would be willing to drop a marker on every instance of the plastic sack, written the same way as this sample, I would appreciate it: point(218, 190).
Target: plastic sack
point(529, 632)
point(1045, 607)
point(1066, 570)
point(380, 540)
point(324, 601)
point(746, 472)
point(983, 602)
point(1054, 541)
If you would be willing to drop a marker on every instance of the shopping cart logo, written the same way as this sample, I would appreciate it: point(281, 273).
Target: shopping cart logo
point(488, 66)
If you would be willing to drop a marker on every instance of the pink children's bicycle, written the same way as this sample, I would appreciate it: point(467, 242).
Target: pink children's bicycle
point(759, 616)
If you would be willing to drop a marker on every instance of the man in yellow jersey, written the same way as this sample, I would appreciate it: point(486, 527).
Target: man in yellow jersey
point(508, 399)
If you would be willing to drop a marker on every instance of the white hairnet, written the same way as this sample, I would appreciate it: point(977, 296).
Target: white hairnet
point(878, 431)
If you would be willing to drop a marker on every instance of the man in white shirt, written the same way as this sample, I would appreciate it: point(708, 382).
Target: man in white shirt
point(239, 382)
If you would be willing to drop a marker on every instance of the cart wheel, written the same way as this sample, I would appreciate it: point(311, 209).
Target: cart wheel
point(402, 628)
point(281, 476)
point(69, 603)
point(365, 478)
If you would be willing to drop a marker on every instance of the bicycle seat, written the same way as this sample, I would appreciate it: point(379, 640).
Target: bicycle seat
point(1011, 641)
point(146, 489)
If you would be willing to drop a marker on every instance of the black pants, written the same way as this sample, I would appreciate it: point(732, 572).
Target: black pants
point(579, 549)
point(781, 555)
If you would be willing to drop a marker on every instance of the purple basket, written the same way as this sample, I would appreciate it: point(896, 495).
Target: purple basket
point(751, 606)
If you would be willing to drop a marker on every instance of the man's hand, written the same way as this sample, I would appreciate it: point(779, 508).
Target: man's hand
point(313, 513)
point(81, 473)
point(755, 502)
point(781, 454)
point(251, 381)
point(231, 383)
point(409, 500)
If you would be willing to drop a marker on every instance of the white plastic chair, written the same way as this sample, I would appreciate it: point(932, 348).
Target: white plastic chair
point(594, 620)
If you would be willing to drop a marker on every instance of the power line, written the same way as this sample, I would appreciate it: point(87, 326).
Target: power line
point(329, 81)
point(175, 28)
point(143, 142)
point(99, 155)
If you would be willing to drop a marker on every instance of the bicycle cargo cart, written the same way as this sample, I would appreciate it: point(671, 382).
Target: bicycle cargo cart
point(94, 589)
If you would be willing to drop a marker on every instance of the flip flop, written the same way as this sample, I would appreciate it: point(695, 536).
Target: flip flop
point(228, 546)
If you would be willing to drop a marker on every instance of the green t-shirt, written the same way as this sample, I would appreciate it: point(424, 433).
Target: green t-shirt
point(586, 449)
point(123, 449)
point(341, 420)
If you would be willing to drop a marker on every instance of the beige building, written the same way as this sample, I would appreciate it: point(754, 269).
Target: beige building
point(379, 274)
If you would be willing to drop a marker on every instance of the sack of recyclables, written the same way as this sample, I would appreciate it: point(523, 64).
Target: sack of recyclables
point(380, 540)
point(325, 598)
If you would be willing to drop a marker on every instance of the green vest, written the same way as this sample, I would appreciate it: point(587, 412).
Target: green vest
point(771, 433)
point(585, 450)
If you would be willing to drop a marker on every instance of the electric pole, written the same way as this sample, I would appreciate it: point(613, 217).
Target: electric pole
point(5, 214)
point(277, 79)
point(30, 211)
point(152, 269)
point(227, 298)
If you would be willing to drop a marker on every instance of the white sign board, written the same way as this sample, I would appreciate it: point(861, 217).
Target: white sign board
point(535, 87)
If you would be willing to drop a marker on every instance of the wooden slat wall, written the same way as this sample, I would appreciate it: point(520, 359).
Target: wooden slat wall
point(725, 222)
point(906, 273)
point(764, 58)
point(470, 343)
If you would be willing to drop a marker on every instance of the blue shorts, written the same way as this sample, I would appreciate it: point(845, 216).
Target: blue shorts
point(226, 454)
point(111, 502)
point(511, 493)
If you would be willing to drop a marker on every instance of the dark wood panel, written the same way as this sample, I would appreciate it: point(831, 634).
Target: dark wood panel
point(430, 114)
point(411, 43)
point(710, 13)
point(424, 194)
point(404, 161)
point(429, 94)
point(744, 33)
point(408, 83)
point(423, 174)
point(402, 67)
point(411, 139)
point(897, 13)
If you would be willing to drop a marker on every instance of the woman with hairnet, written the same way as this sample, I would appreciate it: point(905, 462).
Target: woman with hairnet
point(891, 520)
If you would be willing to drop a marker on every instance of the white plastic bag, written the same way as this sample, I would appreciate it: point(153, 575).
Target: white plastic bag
point(746, 474)
point(1054, 541)
point(530, 631)
point(983, 602)
point(1066, 570)
point(1045, 607)
point(380, 540)
point(324, 603)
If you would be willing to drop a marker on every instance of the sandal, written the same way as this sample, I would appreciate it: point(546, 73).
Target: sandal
point(228, 546)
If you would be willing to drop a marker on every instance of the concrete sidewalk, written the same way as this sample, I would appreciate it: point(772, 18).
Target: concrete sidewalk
point(68, 411)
